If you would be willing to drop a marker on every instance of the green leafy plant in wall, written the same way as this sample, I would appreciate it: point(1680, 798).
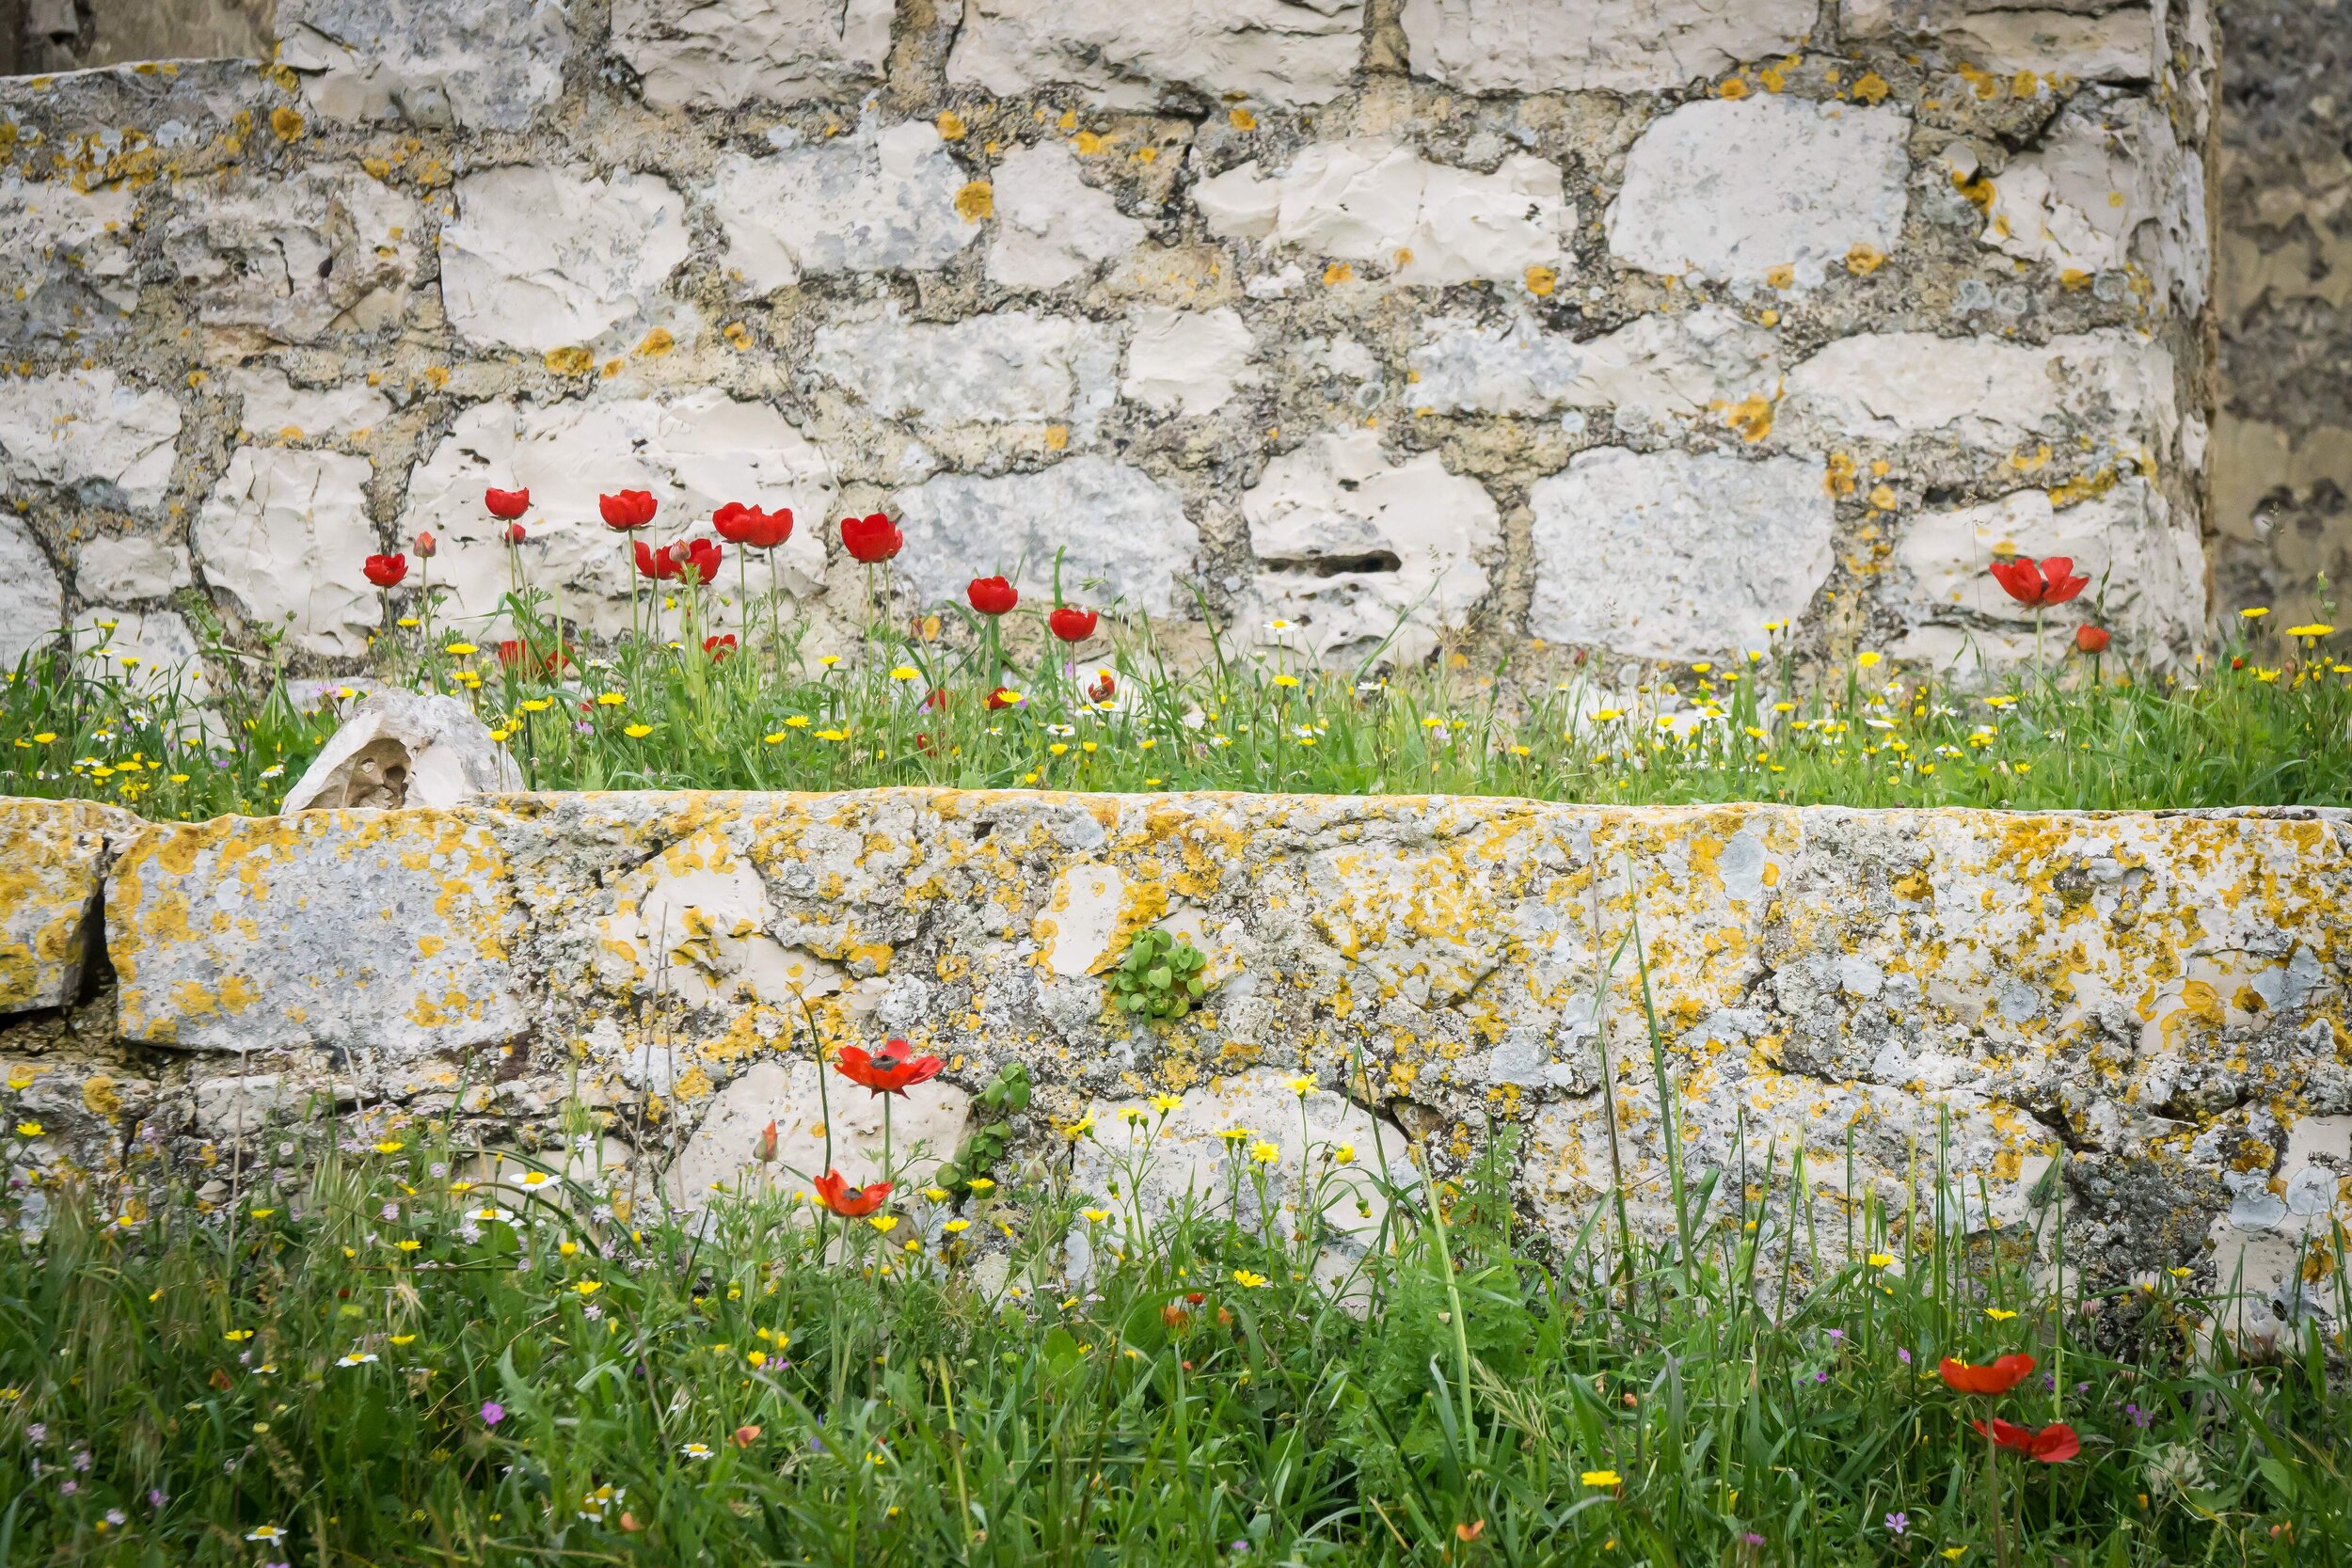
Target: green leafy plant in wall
point(1160, 978)
point(1007, 1095)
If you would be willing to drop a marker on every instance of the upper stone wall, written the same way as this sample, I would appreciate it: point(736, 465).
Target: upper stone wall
point(1642, 324)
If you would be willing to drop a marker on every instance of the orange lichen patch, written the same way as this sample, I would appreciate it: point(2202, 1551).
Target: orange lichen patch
point(1865, 258)
point(1871, 88)
point(1752, 416)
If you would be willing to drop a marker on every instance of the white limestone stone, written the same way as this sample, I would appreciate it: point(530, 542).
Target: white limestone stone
point(404, 748)
point(1987, 393)
point(925, 1126)
point(1187, 361)
point(1354, 550)
point(2112, 46)
point(721, 53)
point(285, 533)
point(482, 64)
point(1008, 367)
point(883, 199)
point(1679, 366)
point(150, 651)
point(1666, 555)
point(540, 259)
point(273, 408)
point(695, 451)
point(1051, 225)
point(32, 600)
point(119, 566)
point(1127, 56)
point(325, 249)
point(1732, 190)
point(2109, 185)
point(1370, 199)
point(70, 253)
point(1129, 543)
point(1594, 45)
point(110, 443)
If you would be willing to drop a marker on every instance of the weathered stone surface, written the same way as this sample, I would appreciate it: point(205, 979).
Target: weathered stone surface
point(70, 253)
point(32, 600)
point(925, 1128)
point(1659, 368)
point(1128, 540)
point(720, 54)
point(118, 566)
point(286, 534)
point(1186, 362)
point(1052, 227)
point(1133, 56)
point(1735, 190)
point(325, 250)
point(2075, 42)
point(696, 450)
point(404, 748)
point(486, 64)
point(1988, 394)
point(383, 933)
point(883, 199)
point(1354, 550)
point(1368, 199)
point(1008, 367)
point(109, 443)
point(2110, 186)
point(1670, 556)
point(1594, 45)
point(50, 876)
point(273, 408)
point(539, 259)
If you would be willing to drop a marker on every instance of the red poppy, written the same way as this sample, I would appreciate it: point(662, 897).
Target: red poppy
point(696, 560)
point(750, 527)
point(2047, 582)
point(894, 1070)
point(504, 504)
point(515, 655)
point(1997, 1378)
point(426, 544)
point(716, 649)
point(1070, 624)
point(629, 509)
point(1106, 686)
point(937, 701)
point(923, 743)
point(993, 595)
point(1002, 697)
point(2092, 639)
point(702, 557)
point(2052, 1445)
point(385, 571)
point(850, 1203)
point(515, 534)
point(871, 538)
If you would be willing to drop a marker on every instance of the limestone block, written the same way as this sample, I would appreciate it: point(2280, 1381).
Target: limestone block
point(925, 1125)
point(481, 64)
point(70, 252)
point(1052, 227)
point(150, 652)
point(696, 450)
point(116, 566)
point(372, 934)
point(49, 880)
point(111, 443)
point(1594, 45)
point(540, 259)
point(881, 201)
point(1734, 190)
point(32, 600)
point(1187, 362)
point(286, 534)
point(2108, 186)
point(1008, 367)
point(273, 408)
point(404, 748)
point(1137, 56)
point(2061, 40)
point(721, 54)
point(1128, 540)
point(1354, 550)
point(324, 250)
point(1368, 199)
point(1667, 555)
point(2277, 1222)
point(1659, 368)
point(1987, 395)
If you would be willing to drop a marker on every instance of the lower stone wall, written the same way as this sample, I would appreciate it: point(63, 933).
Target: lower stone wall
point(2159, 996)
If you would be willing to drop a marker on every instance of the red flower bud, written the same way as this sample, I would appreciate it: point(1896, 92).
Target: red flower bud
point(629, 509)
point(505, 504)
point(426, 544)
point(871, 538)
point(515, 534)
point(1070, 624)
point(2092, 639)
point(385, 571)
point(764, 1150)
point(991, 596)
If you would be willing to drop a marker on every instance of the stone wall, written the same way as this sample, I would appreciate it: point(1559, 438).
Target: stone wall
point(1645, 324)
point(2162, 996)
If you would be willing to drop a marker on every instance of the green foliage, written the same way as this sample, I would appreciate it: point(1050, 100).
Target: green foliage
point(1160, 977)
point(1006, 1096)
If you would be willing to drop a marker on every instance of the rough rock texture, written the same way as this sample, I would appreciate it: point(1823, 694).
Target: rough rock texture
point(1583, 45)
point(284, 536)
point(539, 259)
point(2162, 996)
point(1131, 56)
point(50, 878)
point(720, 54)
point(475, 63)
point(401, 749)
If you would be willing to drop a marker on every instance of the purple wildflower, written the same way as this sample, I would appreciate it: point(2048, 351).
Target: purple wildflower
point(1897, 1522)
point(492, 1412)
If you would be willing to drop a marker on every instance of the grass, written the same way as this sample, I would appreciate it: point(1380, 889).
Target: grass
point(2266, 722)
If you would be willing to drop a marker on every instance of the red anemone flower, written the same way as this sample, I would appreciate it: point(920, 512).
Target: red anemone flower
point(703, 558)
point(1070, 624)
point(1106, 686)
point(629, 509)
point(717, 648)
point(505, 505)
point(937, 701)
point(385, 571)
point(850, 1203)
point(426, 544)
point(515, 534)
point(655, 564)
point(872, 538)
point(993, 595)
point(2037, 583)
point(517, 655)
point(2092, 639)
point(1002, 697)
point(1997, 1378)
point(2052, 1445)
point(894, 1070)
point(696, 560)
point(752, 528)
